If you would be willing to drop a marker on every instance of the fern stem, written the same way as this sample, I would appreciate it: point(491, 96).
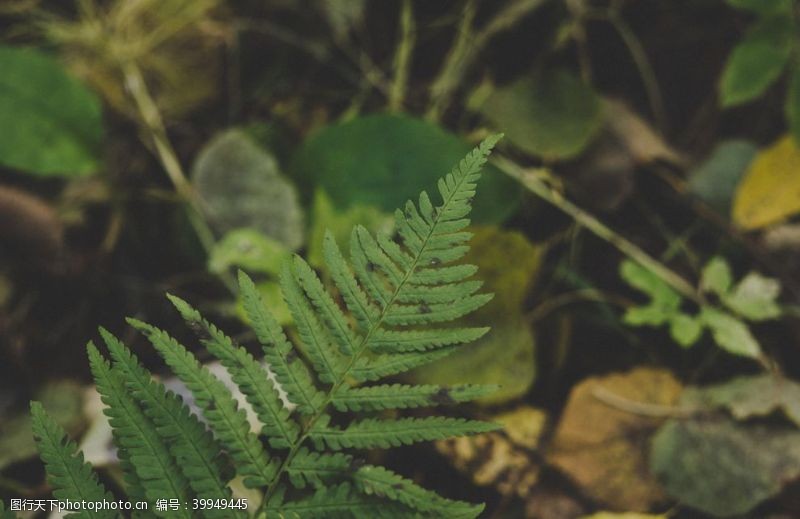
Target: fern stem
point(361, 347)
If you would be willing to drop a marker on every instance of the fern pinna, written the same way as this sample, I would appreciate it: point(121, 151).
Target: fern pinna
point(395, 295)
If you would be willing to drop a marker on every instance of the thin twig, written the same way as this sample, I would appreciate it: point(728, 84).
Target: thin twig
point(153, 124)
point(638, 408)
point(646, 72)
point(532, 179)
point(467, 48)
point(402, 57)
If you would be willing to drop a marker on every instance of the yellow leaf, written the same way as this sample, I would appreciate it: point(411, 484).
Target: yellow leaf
point(602, 438)
point(770, 190)
point(501, 459)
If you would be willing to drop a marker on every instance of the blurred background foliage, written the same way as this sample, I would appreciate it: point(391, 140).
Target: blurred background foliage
point(638, 224)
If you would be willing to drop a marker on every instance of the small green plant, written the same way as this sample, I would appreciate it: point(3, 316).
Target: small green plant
point(304, 458)
point(753, 298)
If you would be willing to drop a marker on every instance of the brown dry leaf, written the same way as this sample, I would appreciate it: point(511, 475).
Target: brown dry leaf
point(603, 447)
point(770, 189)
point(501, 459)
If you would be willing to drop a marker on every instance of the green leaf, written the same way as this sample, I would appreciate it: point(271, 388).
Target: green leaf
point(715, 180)
point(399, 396)
point(764, 7)
point(52, 125)
point(724, 468)
point(793, 103)
point(716, 276)
point(380, 481)
point(63, 401)
point(150, 464)
point(72, 478)
point(228, 422)
point(664, 301)
point(383, 160)
point(325, 217)
point(371, 433)
point(241, 185)
point(685, 329)
point(248, 374)
point(730, 333)
point(249, 249)
point(553, 114)
point(757, 61)
point(754, 297)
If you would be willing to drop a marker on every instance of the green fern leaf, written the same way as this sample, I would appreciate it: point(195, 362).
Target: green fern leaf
point(371, 368)
point(137, 439)
point(392, 341)
point(227, 421)
point(195, 450)
point(327, 360)
point(355, 299)
point(291, 373)
point(248, 374)
point(334, 502)
point(71, 478)
point(398, 396)
point(379, 481)
point(318, 469)
point(371, 433)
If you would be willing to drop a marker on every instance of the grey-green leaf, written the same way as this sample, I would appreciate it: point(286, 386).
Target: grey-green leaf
point(755, 297)
point(730, 333)
point(724, 468)
point(552, 114)
point(240, 185)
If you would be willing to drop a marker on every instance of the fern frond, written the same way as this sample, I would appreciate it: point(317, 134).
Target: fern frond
point(335, 502)
point(399, 396)
point(327, 360)
point(372, 433)
point(368, 369)
point(71, 478)
point(195, 450)
point(318, 469)
point(137, 439)
point(228, 422)
point(355, 299)
point(290, 371)
point(379, 481)
point(410, 293)
point(335, 321)
point(249, 376)
point(392, 341)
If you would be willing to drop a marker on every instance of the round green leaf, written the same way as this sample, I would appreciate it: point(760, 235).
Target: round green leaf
point(552, 115)
point(715, 180)
point(382, 160)
point(52, 125)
